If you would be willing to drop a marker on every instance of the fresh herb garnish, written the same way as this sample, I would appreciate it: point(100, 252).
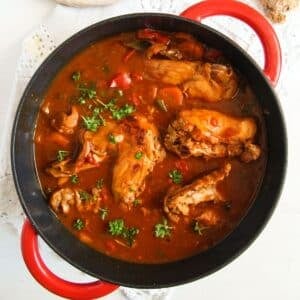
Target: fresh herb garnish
point(161, 105)
point(61, 155)
point(118, 228)
point(136, 202)
point(176, 176)
point(138, 155)
point(198, 228)
point(76, 76)
point(123, 112)
point(87, 92)
point(84, 196)
point(103, 212)
point(92, 123)
point(112, 138)
point(78, 224)
point(100, 183)
point(81, 100)
point(74, 179)
point(162, 230)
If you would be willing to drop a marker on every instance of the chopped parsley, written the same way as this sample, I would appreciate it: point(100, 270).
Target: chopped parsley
point(161, 105)
point(61, 155)
point(76, 76)
point(117, 228)
point(198, 228)
point(112, 138)
point(84, 196)
point(136, 202)
point(81, 100)
point(103, 212)
point(100, 183)
point(162, 230)
point(78, 224)
point(93, 122)
point(119, 93)
point(176, 176)
point(74, 179)
point(87, 92)
point(123, 112)
point(138, 155)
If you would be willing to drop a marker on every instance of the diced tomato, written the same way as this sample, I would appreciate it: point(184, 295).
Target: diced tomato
point(182, 165)
point(153, 35)
point(121, 80)
point(128, 55)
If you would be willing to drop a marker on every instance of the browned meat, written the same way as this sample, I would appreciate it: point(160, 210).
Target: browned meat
point(66, 123)
point(138, 154)
point(210, 82)
point(63, 199)
point(178, 201)
point(208, 133)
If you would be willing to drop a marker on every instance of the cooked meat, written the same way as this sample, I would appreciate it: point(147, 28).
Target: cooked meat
point(63, 199)
point(208, 133)
point(138, 154)
point(66, 123)
point(210, 82)
point(60, 169)
point(177, 202)
point(96, 146)
point(210, 216)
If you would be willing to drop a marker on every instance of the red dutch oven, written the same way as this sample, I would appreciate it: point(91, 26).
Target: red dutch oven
point(113, 272)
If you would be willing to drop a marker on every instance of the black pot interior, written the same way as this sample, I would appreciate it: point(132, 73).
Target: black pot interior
point(100, 265)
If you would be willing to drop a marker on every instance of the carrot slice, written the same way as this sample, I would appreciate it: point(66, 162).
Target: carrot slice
point(172, 96)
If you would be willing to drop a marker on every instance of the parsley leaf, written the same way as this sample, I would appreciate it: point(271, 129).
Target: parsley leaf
point(162, 230)
point(74, 179)
point(138, 155)
point(112, 138)
point(87, 92)
point(76, 76)
point(78, 224)
point(123, 112)
point(103, 212)
point(118, 228)
point(61, 155)
point(84, 196)
point(100, 183)
point(136, 202)
point(199, 228)
point(176, 176)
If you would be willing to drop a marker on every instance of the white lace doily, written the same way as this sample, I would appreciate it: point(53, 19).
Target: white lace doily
point(65, 21)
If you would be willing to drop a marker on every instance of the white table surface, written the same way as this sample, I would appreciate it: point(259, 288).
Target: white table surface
point(269, 269)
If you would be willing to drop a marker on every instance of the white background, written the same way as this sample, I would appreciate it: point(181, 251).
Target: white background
point(269, 269)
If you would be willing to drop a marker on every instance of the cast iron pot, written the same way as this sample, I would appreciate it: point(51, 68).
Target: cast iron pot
point(111, 271)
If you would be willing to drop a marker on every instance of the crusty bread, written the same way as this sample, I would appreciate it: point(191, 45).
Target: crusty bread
point(82, 3)
point(276, 9)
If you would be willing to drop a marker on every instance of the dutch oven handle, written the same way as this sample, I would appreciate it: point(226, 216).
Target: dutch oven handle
point(55, 284)
point(251, 17)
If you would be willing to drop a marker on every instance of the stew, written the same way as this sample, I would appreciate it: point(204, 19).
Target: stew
point(150, 146)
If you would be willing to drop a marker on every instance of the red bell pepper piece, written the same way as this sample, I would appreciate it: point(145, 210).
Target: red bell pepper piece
point(121, 80)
